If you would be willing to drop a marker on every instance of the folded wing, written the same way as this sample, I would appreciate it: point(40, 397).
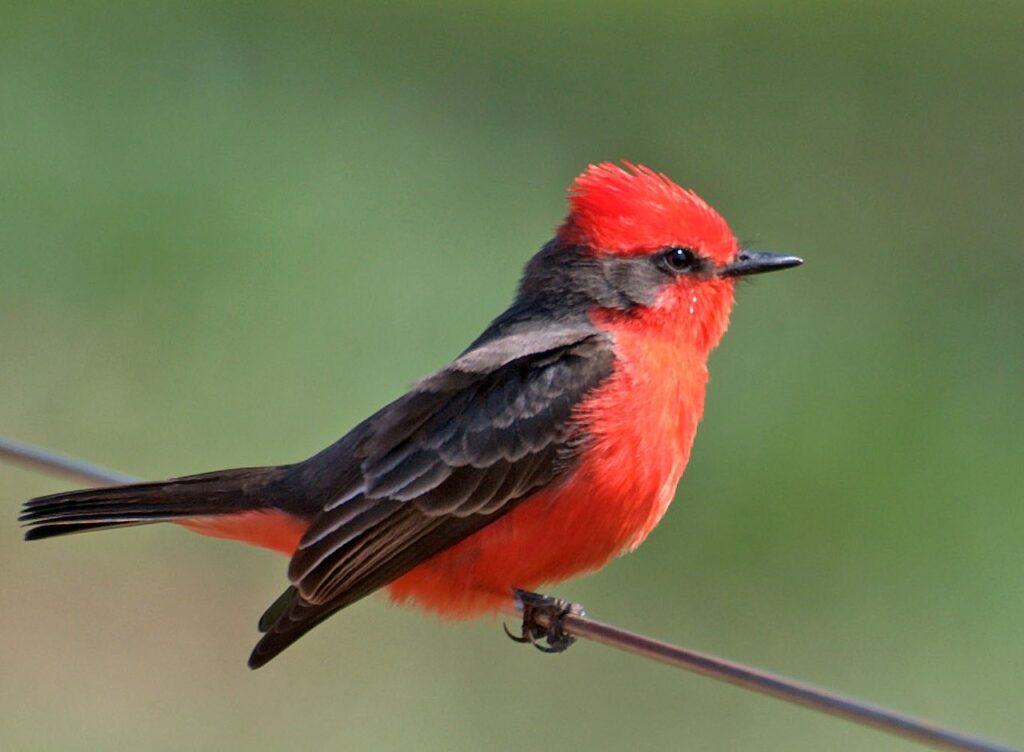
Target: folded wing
point(458, 451)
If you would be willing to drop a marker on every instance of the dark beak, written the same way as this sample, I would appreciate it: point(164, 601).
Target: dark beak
point(758, 262)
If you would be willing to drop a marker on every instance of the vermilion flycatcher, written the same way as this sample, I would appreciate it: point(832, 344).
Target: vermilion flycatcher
point(551, 445)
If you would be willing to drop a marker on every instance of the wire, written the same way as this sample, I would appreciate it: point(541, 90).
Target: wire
point(50, 462)
point(774, 685)
point(636, 644)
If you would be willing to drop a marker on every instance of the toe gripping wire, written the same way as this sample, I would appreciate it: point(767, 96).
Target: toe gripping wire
point(543, 617)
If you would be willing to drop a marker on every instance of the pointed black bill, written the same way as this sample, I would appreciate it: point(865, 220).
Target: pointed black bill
point(758, 262)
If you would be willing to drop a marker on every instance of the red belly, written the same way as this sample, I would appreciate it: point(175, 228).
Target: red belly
point(550, 537)
point(641, 431)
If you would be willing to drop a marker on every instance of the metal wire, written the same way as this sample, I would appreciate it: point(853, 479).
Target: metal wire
point(46, 461)
point(753, 679)
point(774, 685)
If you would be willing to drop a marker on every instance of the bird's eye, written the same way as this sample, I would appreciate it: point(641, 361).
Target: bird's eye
point(679, 260)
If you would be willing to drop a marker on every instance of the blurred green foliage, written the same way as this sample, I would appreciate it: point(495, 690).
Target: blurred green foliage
point(228, 231)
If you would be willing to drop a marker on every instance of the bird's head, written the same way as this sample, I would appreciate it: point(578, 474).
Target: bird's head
point(638, 247)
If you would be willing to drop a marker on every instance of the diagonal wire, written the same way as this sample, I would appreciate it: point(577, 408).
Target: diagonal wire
point(578, 625)
point(46, 461)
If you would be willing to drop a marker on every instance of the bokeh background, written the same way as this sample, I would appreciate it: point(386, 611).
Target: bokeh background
point(228, 231)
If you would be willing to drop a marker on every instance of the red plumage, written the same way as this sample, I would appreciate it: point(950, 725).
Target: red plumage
point(637, 210)
point(265, 528)
point(643, 419)
point(552, 445)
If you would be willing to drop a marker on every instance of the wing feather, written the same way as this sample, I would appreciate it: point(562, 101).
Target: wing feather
point(461, 449)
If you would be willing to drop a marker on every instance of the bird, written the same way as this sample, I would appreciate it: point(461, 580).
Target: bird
point(551, 445)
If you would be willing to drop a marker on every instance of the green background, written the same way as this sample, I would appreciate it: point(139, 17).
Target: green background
point(230, 231)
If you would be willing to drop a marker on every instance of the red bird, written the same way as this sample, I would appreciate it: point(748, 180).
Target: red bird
point(553, 444)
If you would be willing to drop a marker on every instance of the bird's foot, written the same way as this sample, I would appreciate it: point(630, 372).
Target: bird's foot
point(542, 621)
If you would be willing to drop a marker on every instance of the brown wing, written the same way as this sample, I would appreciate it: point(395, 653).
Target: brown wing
point(458, 451)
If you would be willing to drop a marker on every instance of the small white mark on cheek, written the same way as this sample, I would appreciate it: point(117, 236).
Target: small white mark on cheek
point(693, 303)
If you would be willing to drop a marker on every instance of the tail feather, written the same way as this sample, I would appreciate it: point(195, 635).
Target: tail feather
point(43, 531)
point(217, 493)
point(292, 617)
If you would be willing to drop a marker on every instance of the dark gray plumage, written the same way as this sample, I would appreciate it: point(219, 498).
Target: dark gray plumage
point(463, 447)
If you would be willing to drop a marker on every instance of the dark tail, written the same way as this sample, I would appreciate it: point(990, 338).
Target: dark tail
point(221, 492)
point(287, 619)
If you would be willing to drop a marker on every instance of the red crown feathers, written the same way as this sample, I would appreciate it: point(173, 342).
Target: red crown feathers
point(637, 210)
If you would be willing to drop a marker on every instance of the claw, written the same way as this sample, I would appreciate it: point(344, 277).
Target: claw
point(555, 609)
point(516, 638)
